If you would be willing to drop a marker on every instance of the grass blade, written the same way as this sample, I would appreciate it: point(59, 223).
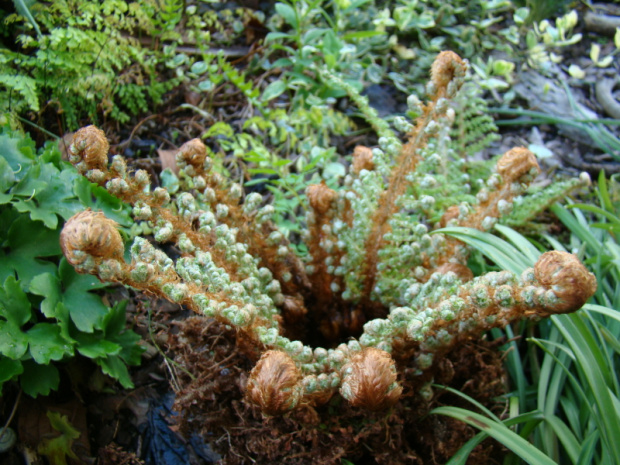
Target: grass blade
point(611, 313)
point(495, 249)
point(577, 228)
point(469, 399)
point(566, 437)
point(555, 244)
point(460, 458)
point(514, 363)
point(603, 192)
point(500, 432)
point(594, 209)
point(22, 8)
point(524, 245)
point(588, 363)
point(588, 447)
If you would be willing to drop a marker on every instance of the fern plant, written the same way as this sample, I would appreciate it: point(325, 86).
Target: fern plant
point(284, 150)
point(474, 129)
point(93, 59)
point(380, 298)
point(84, 62)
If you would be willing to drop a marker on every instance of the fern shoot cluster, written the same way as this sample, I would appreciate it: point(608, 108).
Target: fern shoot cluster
point(381, 289)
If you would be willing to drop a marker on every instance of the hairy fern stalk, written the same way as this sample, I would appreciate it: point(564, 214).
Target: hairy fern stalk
point(380, 289)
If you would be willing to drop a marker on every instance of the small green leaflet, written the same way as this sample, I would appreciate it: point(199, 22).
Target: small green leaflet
point(28, 242)
point(39, 379)
point(288, 13)
point(47, 192)
point(7, 179)
point(86, 309)
point(273, 90)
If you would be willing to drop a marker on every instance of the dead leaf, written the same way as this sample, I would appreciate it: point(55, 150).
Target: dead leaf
point(168, 159)
point(64, 143)
point(38, 424)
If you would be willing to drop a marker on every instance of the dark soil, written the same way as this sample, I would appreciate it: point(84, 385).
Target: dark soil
point(212, 403)
point(207, 370)
point(188, 406)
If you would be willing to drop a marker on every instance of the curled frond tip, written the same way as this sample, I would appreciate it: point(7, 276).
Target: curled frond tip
point(90, 233)
point(90, 146)
point(369, 380)
point(567, 277)
point(275, 383)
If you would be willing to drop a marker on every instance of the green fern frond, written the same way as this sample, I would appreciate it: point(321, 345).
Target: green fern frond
point(26, 89)
point(370, 114)
point(473, 129)
point(528, 207)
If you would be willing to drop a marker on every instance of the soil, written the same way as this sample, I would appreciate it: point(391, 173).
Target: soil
point(188, 407)
point(212, 403)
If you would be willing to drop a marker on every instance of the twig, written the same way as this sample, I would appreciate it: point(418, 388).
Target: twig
point(133, 132)
point(604, 95)
point(8, 422)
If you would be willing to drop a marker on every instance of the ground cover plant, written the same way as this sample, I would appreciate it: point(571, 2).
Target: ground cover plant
point(48, 315)
point(281, 117)
point(50, 320)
